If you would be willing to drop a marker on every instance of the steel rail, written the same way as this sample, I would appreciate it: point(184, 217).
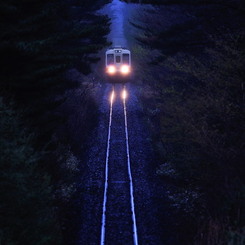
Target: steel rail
point(135, 234)
point(103, 223)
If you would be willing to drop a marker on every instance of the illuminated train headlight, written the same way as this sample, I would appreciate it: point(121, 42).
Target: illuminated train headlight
point(111, 69)
point(125, 69)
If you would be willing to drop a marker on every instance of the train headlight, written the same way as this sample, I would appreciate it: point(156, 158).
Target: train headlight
point(111, 69)
point(125, 69)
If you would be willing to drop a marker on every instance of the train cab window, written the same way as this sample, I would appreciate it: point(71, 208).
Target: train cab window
point(118, 59)
point(110, 59)
point(126, 59)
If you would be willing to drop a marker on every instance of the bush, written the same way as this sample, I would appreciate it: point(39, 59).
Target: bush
point(27, 215)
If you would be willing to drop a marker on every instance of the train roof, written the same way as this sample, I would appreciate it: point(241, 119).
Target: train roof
point(118, 50)
point(117, 47)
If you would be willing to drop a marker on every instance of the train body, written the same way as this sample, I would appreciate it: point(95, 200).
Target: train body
point(118, 65)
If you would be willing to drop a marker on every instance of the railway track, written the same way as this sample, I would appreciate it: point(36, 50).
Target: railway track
point(118, 224)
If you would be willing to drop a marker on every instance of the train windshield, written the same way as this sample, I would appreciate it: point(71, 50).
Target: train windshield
point(126, 59)
point(110, 59)
point(118, 59)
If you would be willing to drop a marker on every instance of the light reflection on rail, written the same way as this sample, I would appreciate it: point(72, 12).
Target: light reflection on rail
point(124, 96)
point(112, 96)
point(135, 234)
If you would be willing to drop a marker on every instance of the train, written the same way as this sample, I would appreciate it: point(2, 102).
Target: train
point(118, 65)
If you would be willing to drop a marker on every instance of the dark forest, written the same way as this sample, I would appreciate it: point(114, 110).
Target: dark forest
point(189, 58)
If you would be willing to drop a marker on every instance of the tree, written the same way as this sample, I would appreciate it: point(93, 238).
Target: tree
point(40, 41)
point(26, 214)
point(197, 58)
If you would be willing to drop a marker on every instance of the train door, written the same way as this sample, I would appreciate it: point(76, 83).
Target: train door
point(118, 59)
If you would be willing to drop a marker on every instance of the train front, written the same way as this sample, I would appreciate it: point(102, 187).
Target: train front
point(118, 65)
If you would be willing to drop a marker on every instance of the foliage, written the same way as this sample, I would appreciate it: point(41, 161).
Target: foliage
point(197, 79)
point(26, 211)
point(41, 44)
point(40, 41)
point(203, 118)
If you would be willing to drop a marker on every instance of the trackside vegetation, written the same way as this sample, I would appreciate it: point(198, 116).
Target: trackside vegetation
point(194, 51)
point(27, 215)
point(46, 49)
